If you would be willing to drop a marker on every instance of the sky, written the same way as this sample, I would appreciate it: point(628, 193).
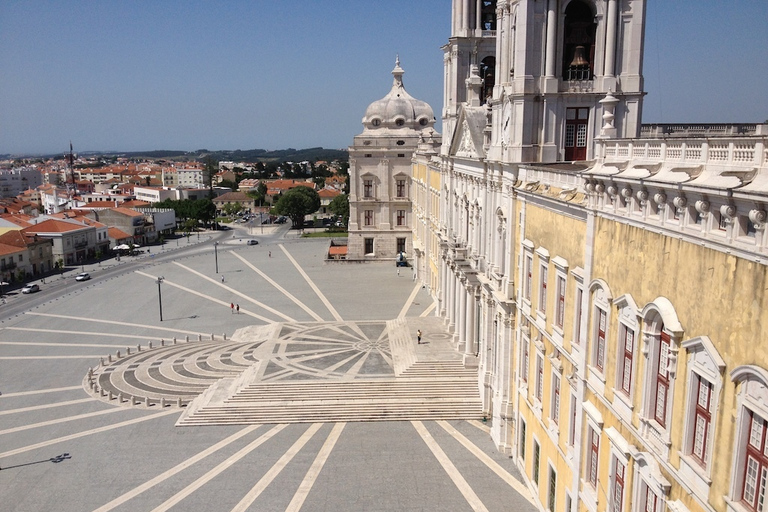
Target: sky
point(255, 74)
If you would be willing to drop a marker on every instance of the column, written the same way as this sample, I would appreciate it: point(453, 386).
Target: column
point(610, 39)
point(551, 37)
point(469, 332)
point(461, 320)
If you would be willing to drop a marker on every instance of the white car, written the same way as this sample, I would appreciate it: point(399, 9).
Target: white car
point(30, 288)
point(82, 276)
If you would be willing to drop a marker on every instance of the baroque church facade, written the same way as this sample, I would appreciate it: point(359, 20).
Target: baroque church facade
point(606, 278)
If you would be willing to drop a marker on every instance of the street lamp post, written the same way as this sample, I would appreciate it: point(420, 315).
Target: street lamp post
point(160, 296)
point(216, 255)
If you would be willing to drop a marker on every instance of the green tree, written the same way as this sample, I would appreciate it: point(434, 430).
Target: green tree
point(296, 203)
point(231, 209)
point(340, 206)
point(228, 184)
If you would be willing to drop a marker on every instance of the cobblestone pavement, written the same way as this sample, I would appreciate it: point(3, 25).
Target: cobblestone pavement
point(64, 447)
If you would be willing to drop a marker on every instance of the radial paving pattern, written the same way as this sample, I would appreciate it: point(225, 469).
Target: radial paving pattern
point(311, 394)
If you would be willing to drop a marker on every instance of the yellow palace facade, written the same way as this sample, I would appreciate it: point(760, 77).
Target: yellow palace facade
point(606, 278)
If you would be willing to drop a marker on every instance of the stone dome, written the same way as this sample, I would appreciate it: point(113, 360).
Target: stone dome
point(398, 110)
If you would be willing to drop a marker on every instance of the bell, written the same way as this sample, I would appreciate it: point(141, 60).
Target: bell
point(578, 58)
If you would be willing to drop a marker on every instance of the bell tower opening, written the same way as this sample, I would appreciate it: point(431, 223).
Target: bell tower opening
point(579, 41)
point(488, 14)
point(487, 73)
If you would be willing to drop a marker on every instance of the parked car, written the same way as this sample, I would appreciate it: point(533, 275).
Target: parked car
point(253, 242)
point(82, 276)
point(30, 288)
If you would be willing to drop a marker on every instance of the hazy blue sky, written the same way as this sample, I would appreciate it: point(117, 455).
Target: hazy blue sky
point(141, 75)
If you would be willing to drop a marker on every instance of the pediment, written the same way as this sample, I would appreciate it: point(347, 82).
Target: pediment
point(467, 140)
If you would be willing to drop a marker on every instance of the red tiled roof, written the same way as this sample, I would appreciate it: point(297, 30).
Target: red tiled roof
point(54, 226)
point(337, 250)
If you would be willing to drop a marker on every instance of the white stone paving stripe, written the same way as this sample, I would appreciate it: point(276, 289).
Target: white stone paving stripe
point(114, 322)
point(494, 466)
point(207, 297)
point(461, 484)
point(39, 391)
point(430, 309)
point(482, 426)
point(210, 475)
point(314, 470)
point(409, 302)
point(85, 356)
point(282, 290)
point(312, 285)
point(61, 420)
point(47, 406)
point(86, 433)
point(38, 344)
point(275, 470)
point(235, 292)
point(176, 469)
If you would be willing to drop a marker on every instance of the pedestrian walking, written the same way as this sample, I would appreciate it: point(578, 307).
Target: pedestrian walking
point(270, 254)
point(222, 279)
point(418, 336)
point(398, 271)
point(237, 307)
point(232, 307)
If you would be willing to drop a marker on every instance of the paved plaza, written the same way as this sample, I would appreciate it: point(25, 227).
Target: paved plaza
point(95, 389)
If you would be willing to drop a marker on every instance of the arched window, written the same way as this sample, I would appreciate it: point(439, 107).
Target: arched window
point(579, 41)
point(487, 73)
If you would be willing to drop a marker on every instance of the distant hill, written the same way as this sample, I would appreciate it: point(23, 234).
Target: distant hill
point(238, 155)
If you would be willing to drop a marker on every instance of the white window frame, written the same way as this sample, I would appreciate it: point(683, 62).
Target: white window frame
point(543, 285)
point(579, 307)
point(751, 398)
point(601, 299)
point(594, 424)
point(561, 289)
point(648, 477)
point(657, 315)
point(628, 325)
point(703, 363)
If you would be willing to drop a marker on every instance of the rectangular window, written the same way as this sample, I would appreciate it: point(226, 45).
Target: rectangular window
point(536, 457)
point(650, 500)
point(400, 245)
point(400, 188)
point(552, 489)
point(625, 370)
point(592, 457)
point(368, 188)
point(528, 277)
point(560, 312)
point(702, 419)
point(401, 217)
point(369, 246)
point(572, 429)
point(662, 380)
point(522, 439)
point(543, 290)
point(618, 485)
point(525, 361)
point(600, 342)
point(369, 217)
point(555, 407)
point(756, 465)
point(539, 377)
point(577, 325)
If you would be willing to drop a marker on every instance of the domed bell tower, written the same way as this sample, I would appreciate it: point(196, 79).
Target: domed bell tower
point(380, 215)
